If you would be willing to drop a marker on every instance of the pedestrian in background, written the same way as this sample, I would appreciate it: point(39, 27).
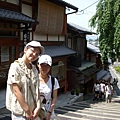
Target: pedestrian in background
point(96, 90)
point(102, 90)
point(22, 77)
point(49, 96)
point(109, 92)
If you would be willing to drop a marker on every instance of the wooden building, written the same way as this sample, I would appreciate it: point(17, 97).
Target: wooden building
point(93, 54)
point(51, 32)
point(83, 74)
point(41, 20)
point(13, 23)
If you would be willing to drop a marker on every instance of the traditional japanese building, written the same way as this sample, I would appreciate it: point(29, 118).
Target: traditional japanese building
point(82, 70)
point(41, 20)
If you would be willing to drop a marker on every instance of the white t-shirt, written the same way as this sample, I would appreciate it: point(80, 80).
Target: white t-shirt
point(46, 90)
point(109, 89)
point(96, 87)
point(102, 87)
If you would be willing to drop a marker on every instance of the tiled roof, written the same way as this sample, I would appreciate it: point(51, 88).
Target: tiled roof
point(78, 28)
point(85, 65)
point(15, 16)
point(101, 74)
point(55, 51)
point(93, 48)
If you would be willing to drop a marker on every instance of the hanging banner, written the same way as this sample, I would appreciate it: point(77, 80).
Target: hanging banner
point(26, 36)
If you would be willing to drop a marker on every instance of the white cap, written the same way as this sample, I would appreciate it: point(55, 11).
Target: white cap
point(36, 44)
point(45, 59)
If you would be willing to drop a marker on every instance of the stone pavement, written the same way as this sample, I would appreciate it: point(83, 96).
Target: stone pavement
point(67, 98)
point(4, 113)
point(114, 74)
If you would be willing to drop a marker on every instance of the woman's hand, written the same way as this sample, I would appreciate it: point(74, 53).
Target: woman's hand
point(48, 116)
point(36, 112)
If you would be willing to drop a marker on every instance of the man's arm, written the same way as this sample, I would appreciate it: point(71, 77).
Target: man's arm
point(21, 100)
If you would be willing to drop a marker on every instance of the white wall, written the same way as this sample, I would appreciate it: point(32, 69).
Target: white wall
point(52, 38)
point(43, 37)
point(26, 9)
point(62, 38)
point(12, 1)
point(39, 37)
point(69, 43)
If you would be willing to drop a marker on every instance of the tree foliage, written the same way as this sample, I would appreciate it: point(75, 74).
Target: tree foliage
point(107, 22)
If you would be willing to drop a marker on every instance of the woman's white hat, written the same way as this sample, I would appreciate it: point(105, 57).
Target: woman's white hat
point(45, 59)
point(36, 44)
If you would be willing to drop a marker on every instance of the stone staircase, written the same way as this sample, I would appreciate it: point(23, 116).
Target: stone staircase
point(90, 110)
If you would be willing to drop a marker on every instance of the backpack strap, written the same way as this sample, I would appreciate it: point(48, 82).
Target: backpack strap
point(53, 83)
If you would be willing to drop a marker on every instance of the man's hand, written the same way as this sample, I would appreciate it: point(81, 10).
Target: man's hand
point(29, 115)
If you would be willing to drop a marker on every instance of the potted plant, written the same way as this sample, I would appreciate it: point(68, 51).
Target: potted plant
point(77, 91)
point(72, 92)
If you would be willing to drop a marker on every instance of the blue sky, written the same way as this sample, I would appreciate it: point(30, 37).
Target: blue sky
point(82, 18)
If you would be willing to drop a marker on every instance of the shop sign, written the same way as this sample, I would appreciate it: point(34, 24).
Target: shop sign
point(26, 36)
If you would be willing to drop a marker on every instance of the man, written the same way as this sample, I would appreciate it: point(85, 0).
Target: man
point(22, 76)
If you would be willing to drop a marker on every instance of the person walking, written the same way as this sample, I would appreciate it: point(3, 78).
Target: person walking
point(102, 90)
point(109, 92)
point(48, 94)
point(96, 90)
point(22, 80)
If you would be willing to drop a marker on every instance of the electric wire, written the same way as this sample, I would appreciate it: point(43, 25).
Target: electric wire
point(82, 11)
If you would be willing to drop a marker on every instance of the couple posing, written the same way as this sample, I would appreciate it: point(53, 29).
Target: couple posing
point(24, 77)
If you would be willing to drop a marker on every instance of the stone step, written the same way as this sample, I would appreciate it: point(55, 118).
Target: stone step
point(95, 108)
point(102, 105)
point(66, 117)
point(88, 114)
point(89, 110)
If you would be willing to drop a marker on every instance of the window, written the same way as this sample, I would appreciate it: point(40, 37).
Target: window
point(8, 55)
point(4, 53)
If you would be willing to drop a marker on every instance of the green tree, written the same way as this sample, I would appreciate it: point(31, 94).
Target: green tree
point(107, 22)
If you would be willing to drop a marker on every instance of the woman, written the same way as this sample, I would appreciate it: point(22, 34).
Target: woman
point(96, 90)
point(102, 89)
point(44, 65)
point(22, 77)
point(109, 92)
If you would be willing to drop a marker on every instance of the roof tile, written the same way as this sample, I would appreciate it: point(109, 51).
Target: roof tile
point(15, 16)
point(55, 51)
